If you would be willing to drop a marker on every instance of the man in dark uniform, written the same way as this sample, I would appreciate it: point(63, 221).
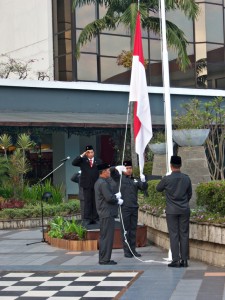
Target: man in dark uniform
point(178, 194)
point(106, 201)
point(129, 193)
point(89, 174)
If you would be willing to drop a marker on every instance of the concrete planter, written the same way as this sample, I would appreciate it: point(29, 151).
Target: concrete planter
point(190, 137)
point(159, 148)
point(72, 245)
point(207, 241)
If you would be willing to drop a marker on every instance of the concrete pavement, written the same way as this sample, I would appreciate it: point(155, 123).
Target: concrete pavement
point(154, 281)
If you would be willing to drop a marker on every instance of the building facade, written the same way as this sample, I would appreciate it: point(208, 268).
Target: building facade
point(85, 101)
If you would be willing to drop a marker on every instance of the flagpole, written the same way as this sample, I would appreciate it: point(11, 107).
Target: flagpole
point(167, 101)
point(166, 81)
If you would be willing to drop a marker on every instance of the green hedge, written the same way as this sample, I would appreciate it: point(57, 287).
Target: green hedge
point(211, 195)
point(63, 209)
point(155, 202)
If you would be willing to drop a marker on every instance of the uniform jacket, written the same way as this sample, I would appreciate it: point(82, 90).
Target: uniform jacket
point(129, 188)
point(178, 192)
point(89, 175)
point(105, 199)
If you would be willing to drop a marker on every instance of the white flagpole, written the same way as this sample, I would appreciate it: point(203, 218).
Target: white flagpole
point(166, 81)
point(167, 104)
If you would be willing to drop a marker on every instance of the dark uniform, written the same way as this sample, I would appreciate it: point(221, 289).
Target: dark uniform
point(178, 194)
point(88, 177)
point(107, 205)
point(129, 194)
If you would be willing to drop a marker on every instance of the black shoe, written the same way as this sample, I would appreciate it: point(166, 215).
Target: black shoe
point(136, 254)
point(129, 255)
point(184, 263)
point(111, 262)
point(174, 264)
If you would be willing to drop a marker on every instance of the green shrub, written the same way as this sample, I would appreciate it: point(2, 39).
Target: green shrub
point(62, 228)
point(6, 191)
point(31, 211)
point(211, 195)
point(33, 194)
point(156, 201)
point(147, 169)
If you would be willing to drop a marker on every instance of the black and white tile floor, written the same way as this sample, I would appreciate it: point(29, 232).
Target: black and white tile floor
point(64, 286)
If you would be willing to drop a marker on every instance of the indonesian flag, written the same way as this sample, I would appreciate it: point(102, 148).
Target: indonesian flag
point(139, 94)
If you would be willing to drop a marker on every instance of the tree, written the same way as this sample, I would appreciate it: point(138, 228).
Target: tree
point(214, 116)
point(20, 69)
point(125, 12)
point(209, 115)
point(16, 165)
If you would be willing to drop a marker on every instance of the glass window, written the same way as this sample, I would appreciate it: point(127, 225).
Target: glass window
point(214, 23)
point(90, 46)
point(110, 70)
point(220, 83)
point(155, 49)
point(200, 27)
point(215, 61)
point(155, 71)
point(64, 43)
point(182, 22)
point(112, 45)
point(85, 15)
point(87, 67)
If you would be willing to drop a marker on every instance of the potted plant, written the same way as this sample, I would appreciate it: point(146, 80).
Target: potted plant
point(190, 127)
point(158, 143)
point(69, 235)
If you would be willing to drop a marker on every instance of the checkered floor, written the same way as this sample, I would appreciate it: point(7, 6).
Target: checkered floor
point(63, 286)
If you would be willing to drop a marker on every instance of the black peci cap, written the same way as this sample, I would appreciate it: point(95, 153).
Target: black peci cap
point(103, 166)
point(127, 163)
point(89, 147)
point(175, 160)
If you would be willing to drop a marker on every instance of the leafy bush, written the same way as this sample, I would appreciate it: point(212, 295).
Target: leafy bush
point(62, 228)
point(147, 169)
point(155, 203)
point(30, 211)
point(211, 195)
point(6, 190)
point(33, 194)
point(11, 203)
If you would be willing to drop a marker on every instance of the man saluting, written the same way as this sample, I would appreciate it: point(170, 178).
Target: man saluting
point(89, 174)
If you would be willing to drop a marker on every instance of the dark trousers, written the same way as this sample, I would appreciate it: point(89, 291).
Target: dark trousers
point(178, 227)
point(130, 219)
point(107, 226)
point(90, 212)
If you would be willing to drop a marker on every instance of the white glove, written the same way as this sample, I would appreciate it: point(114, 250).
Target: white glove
point(121, 169)
point(142, 177)
point(118, 195)
point(120, 201)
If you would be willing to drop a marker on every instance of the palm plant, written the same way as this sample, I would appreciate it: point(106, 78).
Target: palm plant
point(18, 166)
point(24, 142)
point(125, 12)
point(5, 143)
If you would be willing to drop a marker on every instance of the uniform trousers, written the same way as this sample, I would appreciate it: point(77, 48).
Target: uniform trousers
point(178, 227)
point(107, 226)
point(130, 219)
point(90, 212)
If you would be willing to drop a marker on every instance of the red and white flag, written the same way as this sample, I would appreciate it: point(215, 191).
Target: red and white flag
point(139, 94)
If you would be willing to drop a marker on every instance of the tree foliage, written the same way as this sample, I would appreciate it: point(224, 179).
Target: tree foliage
point(125, 12)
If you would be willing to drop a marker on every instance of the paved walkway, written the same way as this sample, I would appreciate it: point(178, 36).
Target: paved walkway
point(22, 266)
